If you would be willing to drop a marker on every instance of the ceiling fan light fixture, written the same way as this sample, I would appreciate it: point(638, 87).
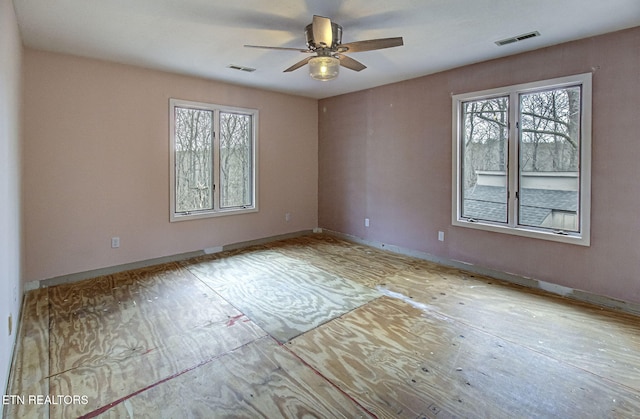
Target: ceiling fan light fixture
point(324, 68)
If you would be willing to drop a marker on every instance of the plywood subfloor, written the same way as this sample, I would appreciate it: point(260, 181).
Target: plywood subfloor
point(285, 296)
point(259, 333)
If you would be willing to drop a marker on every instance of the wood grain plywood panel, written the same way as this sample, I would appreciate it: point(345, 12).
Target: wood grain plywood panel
point(604, 342)
point(399, 360)
point(440, 343)
point(30, 366)
point(363, 264)
point(114, 335)
point(283, 295)
point(259, 380)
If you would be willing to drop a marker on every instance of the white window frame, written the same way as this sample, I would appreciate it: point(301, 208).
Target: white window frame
point(217, 211)
point(511, 227)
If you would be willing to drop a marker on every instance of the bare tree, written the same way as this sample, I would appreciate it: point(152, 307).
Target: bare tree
point(550, 130)
point(235, 159)
point(485, 130)
point(549, 133)
point(193, 159)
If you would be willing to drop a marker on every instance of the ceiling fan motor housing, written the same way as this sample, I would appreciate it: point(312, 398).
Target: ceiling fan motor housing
point(336, 35)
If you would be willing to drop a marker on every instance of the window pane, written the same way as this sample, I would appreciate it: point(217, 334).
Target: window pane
point(549, 159)
point(193, 174)
point(484, 159)
point(236, 170)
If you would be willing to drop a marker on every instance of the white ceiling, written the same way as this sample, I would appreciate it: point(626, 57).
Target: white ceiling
point(202, 37)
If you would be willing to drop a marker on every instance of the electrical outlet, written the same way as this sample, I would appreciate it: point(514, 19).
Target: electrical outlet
point(441, 236)
point(287, 216)
point(115, 242)
point(366, 222)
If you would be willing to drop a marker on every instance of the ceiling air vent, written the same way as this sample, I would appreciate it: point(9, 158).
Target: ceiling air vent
point(517, 38)
point(241, 68)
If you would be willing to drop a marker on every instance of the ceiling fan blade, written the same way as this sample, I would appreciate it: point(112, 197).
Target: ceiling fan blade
point(298, 65)
point(371, 44)
point(279, 48)
point(322, 33)
point(350, 63)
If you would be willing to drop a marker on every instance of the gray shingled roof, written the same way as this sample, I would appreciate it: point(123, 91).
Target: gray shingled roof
point(490, 203)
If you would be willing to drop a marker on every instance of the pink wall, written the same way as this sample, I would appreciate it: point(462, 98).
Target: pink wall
point(10, 245)
point(96, 165)
point(385, 154)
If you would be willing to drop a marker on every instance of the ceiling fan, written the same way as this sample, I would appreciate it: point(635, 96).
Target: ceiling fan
point(324, 38)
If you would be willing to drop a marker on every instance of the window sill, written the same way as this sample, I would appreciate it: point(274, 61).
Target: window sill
point(210, 214)
point(570, 238)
